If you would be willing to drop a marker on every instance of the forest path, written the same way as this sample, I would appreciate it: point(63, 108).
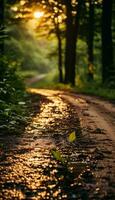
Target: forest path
point(28, 169)
point(100, 111)
point(35, 79)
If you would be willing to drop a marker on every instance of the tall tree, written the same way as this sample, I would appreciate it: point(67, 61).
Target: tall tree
point(90, 40)
point(108, 70)
point(73, 11)
point(59, 39)
point(1, 27)
point(69, 41)
point(56, 10)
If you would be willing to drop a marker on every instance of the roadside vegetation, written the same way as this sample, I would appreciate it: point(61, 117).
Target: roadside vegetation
point(93, 89)
point(12, 100)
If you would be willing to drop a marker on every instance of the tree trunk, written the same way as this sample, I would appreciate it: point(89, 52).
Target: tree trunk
point(73, 59)
point(60, 60)
point(90, 40)
point(2, 68)
point(1, 27)
point(72, 24)
point(58, 34)
point(108, 71)
point(59, 40)
point(69, 41)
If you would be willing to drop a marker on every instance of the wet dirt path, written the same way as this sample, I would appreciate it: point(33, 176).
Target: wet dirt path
point(29, 171)
point(97, 119)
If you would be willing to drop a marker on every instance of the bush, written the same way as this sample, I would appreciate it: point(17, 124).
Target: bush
point(12, 93)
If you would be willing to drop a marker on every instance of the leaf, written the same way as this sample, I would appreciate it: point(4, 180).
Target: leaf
point(72, 137)
point(57, 155)
point(12, 122)
point(6, 113)
point(21, 103)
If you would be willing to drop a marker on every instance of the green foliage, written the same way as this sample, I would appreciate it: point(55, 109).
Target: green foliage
point(95, 89)
point(11, 98)
point(31, 52)
point(57, 155)
point(10, 86)
point(27, 74)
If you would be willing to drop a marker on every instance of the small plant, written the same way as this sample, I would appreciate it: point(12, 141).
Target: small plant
point(57, 154)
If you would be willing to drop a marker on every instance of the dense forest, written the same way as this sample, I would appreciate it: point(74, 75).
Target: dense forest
point(69, 41)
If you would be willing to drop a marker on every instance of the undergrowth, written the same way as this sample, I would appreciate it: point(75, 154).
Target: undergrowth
point(12, 100)
point(96, 90)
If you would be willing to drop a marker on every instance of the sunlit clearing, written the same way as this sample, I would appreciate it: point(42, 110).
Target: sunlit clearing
point(38, 14)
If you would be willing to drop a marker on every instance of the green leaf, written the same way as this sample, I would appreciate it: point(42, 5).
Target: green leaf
point(6, 113)
point(57, 155)
point(21, 103)
point(12, 122)
point(72, 137)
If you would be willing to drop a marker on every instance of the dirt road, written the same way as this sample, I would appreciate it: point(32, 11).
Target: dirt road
point(29, 171)
point(97, 119)
point(102, 112)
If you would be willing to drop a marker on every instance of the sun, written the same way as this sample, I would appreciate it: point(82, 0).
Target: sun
point(38, 14)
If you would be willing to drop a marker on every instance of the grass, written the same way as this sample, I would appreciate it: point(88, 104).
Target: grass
point(97, 90)
point(27, 73)
point(51, 82)
point(94, 88)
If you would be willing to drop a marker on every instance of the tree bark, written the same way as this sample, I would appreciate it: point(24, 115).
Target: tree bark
point(59, 40)
point(72, 25)
point(1, 27)
point(60, 59)
point(2, 67)
point(58, 34)
point(90, 40)
point(69, 41)
point(108, 70)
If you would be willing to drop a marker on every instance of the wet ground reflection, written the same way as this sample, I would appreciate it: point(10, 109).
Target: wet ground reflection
point(28, 170)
